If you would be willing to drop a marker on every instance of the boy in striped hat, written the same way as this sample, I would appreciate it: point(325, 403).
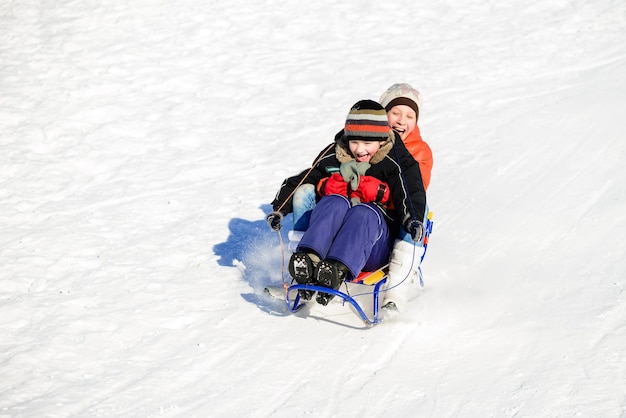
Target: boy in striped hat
point(363, 199)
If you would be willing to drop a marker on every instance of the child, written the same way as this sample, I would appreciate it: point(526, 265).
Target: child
point(369, 187)
point(402, 103)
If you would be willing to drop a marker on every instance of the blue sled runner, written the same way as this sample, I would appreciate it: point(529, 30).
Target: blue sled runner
point(374, 282)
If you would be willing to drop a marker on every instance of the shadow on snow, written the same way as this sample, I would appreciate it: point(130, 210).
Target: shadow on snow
point(255, 249)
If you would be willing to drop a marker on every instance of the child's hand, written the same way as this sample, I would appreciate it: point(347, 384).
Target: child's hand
point(372, 190)
point(275, 220)
point(334, 185)
point(416, 229)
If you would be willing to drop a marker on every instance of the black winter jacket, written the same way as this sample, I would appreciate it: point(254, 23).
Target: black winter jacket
point(392, 164)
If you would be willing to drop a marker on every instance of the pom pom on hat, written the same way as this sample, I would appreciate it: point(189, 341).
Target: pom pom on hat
point(367, 121)
point(402, 94)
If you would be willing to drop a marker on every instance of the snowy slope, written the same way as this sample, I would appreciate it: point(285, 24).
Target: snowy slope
point(143, 141)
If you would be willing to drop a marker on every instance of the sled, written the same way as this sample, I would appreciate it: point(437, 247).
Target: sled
point(376, 279)
point(365, 284)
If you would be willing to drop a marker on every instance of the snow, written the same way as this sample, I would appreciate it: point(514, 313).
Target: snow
point(141, 143)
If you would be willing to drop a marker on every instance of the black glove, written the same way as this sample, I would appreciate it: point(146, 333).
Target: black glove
point(274, 220)
point(416, 229)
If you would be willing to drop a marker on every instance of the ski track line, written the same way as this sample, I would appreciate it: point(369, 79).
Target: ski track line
point(274, 404)
point(586, 206)
point(612, 317)
point(105, 401)
point(502, 171)
point(108, 203)
point(362, 370)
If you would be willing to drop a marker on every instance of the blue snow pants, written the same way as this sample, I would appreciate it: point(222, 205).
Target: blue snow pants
point(358, 236)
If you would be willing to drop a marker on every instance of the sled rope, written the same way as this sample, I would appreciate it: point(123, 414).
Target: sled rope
point(305, 176)
point(404, 183)
point(282, 267)
point(280, 237)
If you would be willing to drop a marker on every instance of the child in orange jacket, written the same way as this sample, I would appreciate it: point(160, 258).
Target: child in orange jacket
point(402, 103)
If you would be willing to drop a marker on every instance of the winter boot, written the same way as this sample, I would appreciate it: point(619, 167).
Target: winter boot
point(302, 269)
point(330, 274)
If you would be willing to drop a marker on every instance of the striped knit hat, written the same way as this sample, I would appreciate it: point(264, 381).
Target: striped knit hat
point(367, 121)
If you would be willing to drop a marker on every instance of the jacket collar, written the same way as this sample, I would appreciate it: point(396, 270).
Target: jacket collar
point(342, 151)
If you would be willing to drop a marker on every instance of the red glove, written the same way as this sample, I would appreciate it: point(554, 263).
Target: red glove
point(372, 190)
point(334, 185)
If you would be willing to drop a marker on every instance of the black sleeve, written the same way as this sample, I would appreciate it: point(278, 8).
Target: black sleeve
point(410, 198)
point(283, 200)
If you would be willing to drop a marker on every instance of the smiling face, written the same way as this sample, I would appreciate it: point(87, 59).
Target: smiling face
point(363, 150)
point(402, 119)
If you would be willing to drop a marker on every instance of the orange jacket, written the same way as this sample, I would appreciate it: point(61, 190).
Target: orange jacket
point(422, 154)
